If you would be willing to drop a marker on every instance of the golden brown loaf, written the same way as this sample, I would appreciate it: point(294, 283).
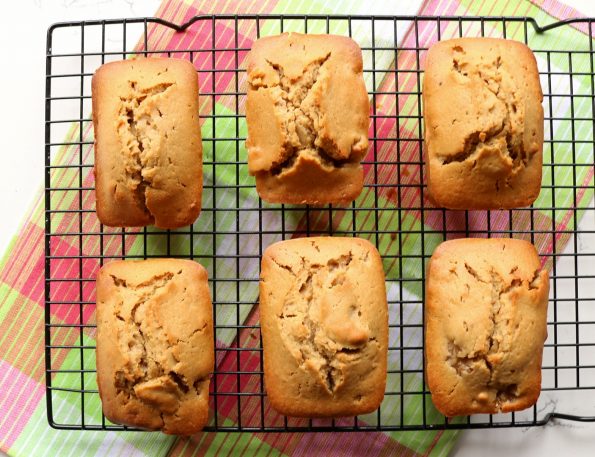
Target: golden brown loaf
point(485, 311)
point(148, 150)
point(483, 124)
point(308, 116)
point(324, 320)
point(155, 344)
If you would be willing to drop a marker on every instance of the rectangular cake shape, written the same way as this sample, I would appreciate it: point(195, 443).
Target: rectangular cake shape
point(485, 325)
point(148, 150)
point(324, 319)
point(308, 116)
point(155, 347)
point(483, 124)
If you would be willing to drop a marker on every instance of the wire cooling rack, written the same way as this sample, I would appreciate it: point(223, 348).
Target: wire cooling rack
point(235, 227)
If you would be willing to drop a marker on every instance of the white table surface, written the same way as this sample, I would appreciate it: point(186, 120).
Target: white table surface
point(21, 143)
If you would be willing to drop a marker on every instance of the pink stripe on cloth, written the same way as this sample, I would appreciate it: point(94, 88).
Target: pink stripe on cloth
point(23, 406)
point(25, 273)
point(438, 7)
point(202, 36)
point(224, 61)
point(69, 292)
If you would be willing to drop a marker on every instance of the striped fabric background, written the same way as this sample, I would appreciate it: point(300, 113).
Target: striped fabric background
point(23, 425)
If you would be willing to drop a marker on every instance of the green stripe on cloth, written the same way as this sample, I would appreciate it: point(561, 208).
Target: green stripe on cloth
point(408, 244)
point(244, 444)
point(7, 298)
point(68, 404)
point(69, 378)
point(37, 438)
point(224, 174)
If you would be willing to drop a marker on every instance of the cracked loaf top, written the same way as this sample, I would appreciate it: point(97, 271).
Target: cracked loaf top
point(324, 321)
point(486, 309)
point(483, 124)
point(154, 344)
point(308, 116)
point(148, 150)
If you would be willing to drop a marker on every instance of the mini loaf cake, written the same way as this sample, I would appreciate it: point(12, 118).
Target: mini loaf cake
point(485, 311)
point(148, 150)
point(483, 124)
point(155, 344)
point(324, 323)
point(308, 116)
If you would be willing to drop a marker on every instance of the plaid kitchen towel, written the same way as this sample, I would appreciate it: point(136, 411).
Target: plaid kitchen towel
point(23, 425)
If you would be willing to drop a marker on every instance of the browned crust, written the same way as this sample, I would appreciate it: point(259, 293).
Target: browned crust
point(485, 325)
point(148, 105)
point(483, 124)
point(155, 346)
point(333, 289)
point(308, 115)
point(300, 185)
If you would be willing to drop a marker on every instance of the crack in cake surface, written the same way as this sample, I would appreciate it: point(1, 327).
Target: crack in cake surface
point(304, 330)
point(498, 338)
point(504, 138)
point(140, 138)
point(300, 117)
point(147, 376)
point(130, 375)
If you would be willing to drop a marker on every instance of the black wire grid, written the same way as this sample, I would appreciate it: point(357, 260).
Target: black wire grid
point(233, 230)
